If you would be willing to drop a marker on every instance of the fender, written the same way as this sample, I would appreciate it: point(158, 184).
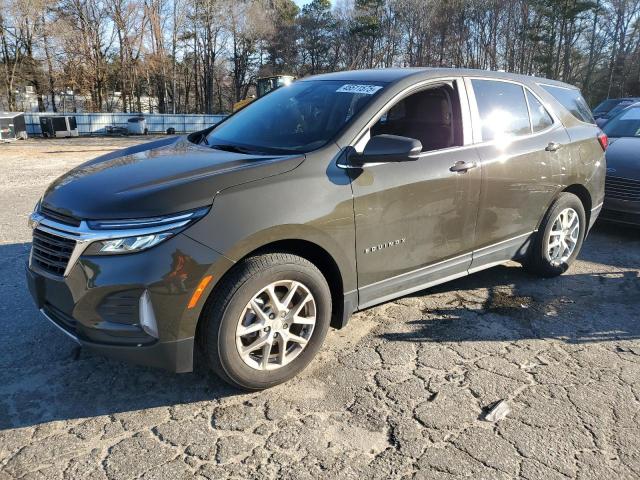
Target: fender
point(291, 232)
point(289, 206)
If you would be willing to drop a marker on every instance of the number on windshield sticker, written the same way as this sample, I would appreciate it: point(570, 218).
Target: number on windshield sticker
point(363, 89)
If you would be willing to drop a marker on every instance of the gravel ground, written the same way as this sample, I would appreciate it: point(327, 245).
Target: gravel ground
point(400, 393)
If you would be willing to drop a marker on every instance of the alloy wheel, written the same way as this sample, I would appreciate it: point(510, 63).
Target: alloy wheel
point(276, 325)
point(563, 236)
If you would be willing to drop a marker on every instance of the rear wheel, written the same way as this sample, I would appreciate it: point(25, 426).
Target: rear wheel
point(266, 320)
point(559, 238)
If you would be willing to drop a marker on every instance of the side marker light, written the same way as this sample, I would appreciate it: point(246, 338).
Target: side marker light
point(198, 293)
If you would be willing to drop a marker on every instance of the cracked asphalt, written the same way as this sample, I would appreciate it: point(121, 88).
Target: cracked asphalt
point(400, 393)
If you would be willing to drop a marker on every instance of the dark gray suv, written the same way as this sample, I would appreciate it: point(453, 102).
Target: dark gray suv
point(250, 239)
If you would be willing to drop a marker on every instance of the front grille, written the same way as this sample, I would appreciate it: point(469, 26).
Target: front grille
point(59, 217)
point(622, 189)
point(621, 217)
point(51, 253)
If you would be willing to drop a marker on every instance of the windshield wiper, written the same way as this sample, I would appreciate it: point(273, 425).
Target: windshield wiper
point(232, 148)
point(253, 150)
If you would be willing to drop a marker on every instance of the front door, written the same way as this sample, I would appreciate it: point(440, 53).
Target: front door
point(415, 220)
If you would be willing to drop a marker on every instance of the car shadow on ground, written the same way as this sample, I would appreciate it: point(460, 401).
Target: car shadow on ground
point(506, 303)
point(44, 377)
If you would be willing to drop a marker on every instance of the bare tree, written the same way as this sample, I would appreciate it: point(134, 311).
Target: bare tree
point(204, 55)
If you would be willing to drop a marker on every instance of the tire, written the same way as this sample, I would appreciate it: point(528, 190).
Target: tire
point(228, 308)
point(547, 262)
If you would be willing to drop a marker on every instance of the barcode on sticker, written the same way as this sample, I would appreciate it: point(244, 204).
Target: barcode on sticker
point(363, 89)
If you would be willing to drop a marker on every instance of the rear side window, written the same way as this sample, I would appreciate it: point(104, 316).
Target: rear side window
point(572, 100)
point(540, 118)
point(502, 108)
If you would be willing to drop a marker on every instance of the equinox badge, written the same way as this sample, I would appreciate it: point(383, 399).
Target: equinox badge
point(382, 246)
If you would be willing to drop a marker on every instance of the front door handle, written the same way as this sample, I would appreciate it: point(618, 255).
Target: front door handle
point(462, 166)
point(553, 147)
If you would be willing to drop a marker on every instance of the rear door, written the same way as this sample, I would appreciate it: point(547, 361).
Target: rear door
point(415, 220)
point(518, 142)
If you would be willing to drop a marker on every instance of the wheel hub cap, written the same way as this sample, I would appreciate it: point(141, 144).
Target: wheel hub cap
point(276, 325)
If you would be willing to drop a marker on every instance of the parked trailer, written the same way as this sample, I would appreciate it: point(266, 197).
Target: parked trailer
point(59, 126)
point(12, 126)
point(156, 123)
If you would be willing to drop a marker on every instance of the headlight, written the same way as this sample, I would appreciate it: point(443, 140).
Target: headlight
point(32, 220)
point(135, 235)
point(127, 245)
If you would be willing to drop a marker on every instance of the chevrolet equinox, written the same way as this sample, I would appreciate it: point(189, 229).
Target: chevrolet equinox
point(248, 240)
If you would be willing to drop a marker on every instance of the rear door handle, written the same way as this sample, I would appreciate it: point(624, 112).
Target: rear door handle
point(553, 147)
point(462, 166)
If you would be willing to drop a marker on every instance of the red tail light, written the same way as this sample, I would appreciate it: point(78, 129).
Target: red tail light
point(604, 140)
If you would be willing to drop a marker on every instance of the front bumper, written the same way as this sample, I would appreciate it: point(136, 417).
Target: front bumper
point(174, 356)
point(595, 214)
point(103, 302)
point(621, 211)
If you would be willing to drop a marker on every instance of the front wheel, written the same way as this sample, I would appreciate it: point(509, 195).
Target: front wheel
point(266, 320)
point(559, 237)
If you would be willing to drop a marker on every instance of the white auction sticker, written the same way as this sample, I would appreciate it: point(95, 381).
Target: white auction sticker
point(364, 89)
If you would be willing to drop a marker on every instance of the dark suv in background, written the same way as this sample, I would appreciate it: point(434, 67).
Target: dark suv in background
point(327, 196)
point(611, 107)
point(622, 186)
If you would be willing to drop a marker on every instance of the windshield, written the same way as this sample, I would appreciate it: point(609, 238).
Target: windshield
point(618, 108)
point(627, 124)
point(606, 106)
point(300, 117)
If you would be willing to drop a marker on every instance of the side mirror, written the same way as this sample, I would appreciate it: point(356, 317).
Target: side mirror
point(387, 148)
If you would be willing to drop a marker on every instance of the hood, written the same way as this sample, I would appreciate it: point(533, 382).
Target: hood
point(623, 157)
point(157, 178)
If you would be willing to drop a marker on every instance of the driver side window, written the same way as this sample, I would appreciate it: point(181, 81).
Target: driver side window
point(431, 115)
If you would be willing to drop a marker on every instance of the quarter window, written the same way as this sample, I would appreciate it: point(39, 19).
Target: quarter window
point(502, 108)
point(540, 118)
point(571, 99)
